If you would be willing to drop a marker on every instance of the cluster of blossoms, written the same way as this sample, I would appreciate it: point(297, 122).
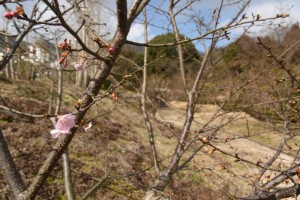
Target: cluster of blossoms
point(19, 11)
point(64, 124)
point(10, 15)
point(80, 66)
point(65, 47)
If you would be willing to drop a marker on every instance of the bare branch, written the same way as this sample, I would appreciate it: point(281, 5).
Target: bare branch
point(184, 7)
point(17, 43)
point(136, 8)
point(133, 8)
point(67, 175)
point(203, 36)
point(280, 62)
point(72, 32)
point(180, 48)
point(22, 113)
point(143, 103)
point(277, 153)
point(123, 24)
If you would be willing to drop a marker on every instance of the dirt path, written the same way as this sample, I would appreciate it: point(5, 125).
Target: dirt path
point(238, 176)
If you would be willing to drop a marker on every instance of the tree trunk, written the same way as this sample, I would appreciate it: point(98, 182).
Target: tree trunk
point(9, 169)
point(154, 195)
point(6, 72)
point(12, 72)
point(156, 192)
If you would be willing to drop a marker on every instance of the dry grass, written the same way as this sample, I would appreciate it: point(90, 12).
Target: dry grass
point(119, 135)
point(221, 171)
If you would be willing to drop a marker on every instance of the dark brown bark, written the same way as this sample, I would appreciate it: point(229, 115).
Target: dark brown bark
point(10, 171)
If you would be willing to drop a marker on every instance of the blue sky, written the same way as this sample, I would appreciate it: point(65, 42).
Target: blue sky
point(266, 8)
point(159, 23)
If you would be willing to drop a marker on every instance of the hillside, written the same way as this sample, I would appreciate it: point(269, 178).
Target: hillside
point(118, 142)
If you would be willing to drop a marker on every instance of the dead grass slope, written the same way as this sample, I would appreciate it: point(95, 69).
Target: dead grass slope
point(117, 145)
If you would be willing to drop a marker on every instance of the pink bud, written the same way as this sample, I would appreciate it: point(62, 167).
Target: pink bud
point(111, 50)
point(114, 96)
point(65, 63)
point(8, 15)
point(14, 14)
point(60, 61)
point(79, 67)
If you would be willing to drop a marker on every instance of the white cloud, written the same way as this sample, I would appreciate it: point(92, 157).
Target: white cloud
point(136, 33)
point(271, 8)
point(266, 8)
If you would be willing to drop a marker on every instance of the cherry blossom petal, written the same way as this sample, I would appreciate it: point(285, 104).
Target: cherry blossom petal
point(63, 125)
point(65, 122)
point(79, 67)
point(55, 133)
point(88, 126)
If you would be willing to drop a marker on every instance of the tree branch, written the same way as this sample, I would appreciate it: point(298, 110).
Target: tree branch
point(123, 24)
point(180, 47)
point(10, 171)
point(136, 8)
point(17, 43)
point(143, 103)
point(72, 32)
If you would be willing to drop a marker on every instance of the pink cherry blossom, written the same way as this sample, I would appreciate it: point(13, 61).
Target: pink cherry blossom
point(8, 15)
point(88, 126)
point(63, 125)
point(79, 67)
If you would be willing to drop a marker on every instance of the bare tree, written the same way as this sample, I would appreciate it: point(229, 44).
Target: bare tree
point(192, 136)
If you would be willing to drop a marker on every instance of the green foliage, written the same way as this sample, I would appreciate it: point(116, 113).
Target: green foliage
point(107, 83)
point(165, 59)
point(163, 62)
point(126, 67)
point(230, 53)
point(190, 51)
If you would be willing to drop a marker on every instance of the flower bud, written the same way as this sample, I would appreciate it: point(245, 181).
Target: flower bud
point(111, 50)
point(60, 61)
point(114, 96)
point(8, 15)
point(14, 14)
point(65, 63)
